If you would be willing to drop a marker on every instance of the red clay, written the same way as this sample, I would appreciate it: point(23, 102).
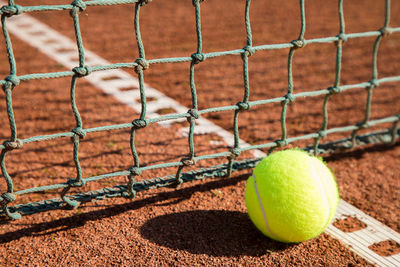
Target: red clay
point(204, 222)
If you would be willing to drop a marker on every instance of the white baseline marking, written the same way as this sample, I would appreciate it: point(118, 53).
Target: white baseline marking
point(64, 51)
point(358, 241)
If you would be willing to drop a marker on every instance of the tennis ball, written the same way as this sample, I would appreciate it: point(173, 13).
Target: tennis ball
point(291, 196)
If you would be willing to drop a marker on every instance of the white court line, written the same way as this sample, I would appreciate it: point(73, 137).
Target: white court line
point(64, 51)
point(358, 241)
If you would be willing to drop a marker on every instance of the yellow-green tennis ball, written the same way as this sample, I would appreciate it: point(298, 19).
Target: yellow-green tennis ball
point(291, 196)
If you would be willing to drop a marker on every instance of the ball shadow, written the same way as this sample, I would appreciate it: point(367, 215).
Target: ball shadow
point(211, 232)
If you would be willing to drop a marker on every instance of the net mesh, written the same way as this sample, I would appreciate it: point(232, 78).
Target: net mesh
point(133, 186)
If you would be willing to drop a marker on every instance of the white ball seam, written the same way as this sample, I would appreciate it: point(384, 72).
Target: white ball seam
point(317, 178)
point(262, 208)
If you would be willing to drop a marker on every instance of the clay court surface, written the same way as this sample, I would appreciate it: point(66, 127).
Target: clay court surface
point(202, 222)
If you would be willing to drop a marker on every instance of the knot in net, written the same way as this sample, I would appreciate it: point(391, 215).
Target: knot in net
point(363, 125)
point(79, 4)
point(11, 82)
point(322, 134)
point(342, 37)
point(11, 145)
point(280, 143)
point(194, 113)
point(81, 71)
point(138, 123)
point(235, 152)
point(141, 64)
point(243, 106)
point(248, 51)
point(373, 84)
point(386, 31)
point(289, 98)
point(11, 10)
point(79, 132)
point(334, 90)
point(298, 43)
point(135, 171)
point(198, 57)
point(188, 161)
point(76, 183)
point(6, 198)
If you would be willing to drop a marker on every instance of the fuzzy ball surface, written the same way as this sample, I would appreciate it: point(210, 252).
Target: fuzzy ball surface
point(291, 196)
